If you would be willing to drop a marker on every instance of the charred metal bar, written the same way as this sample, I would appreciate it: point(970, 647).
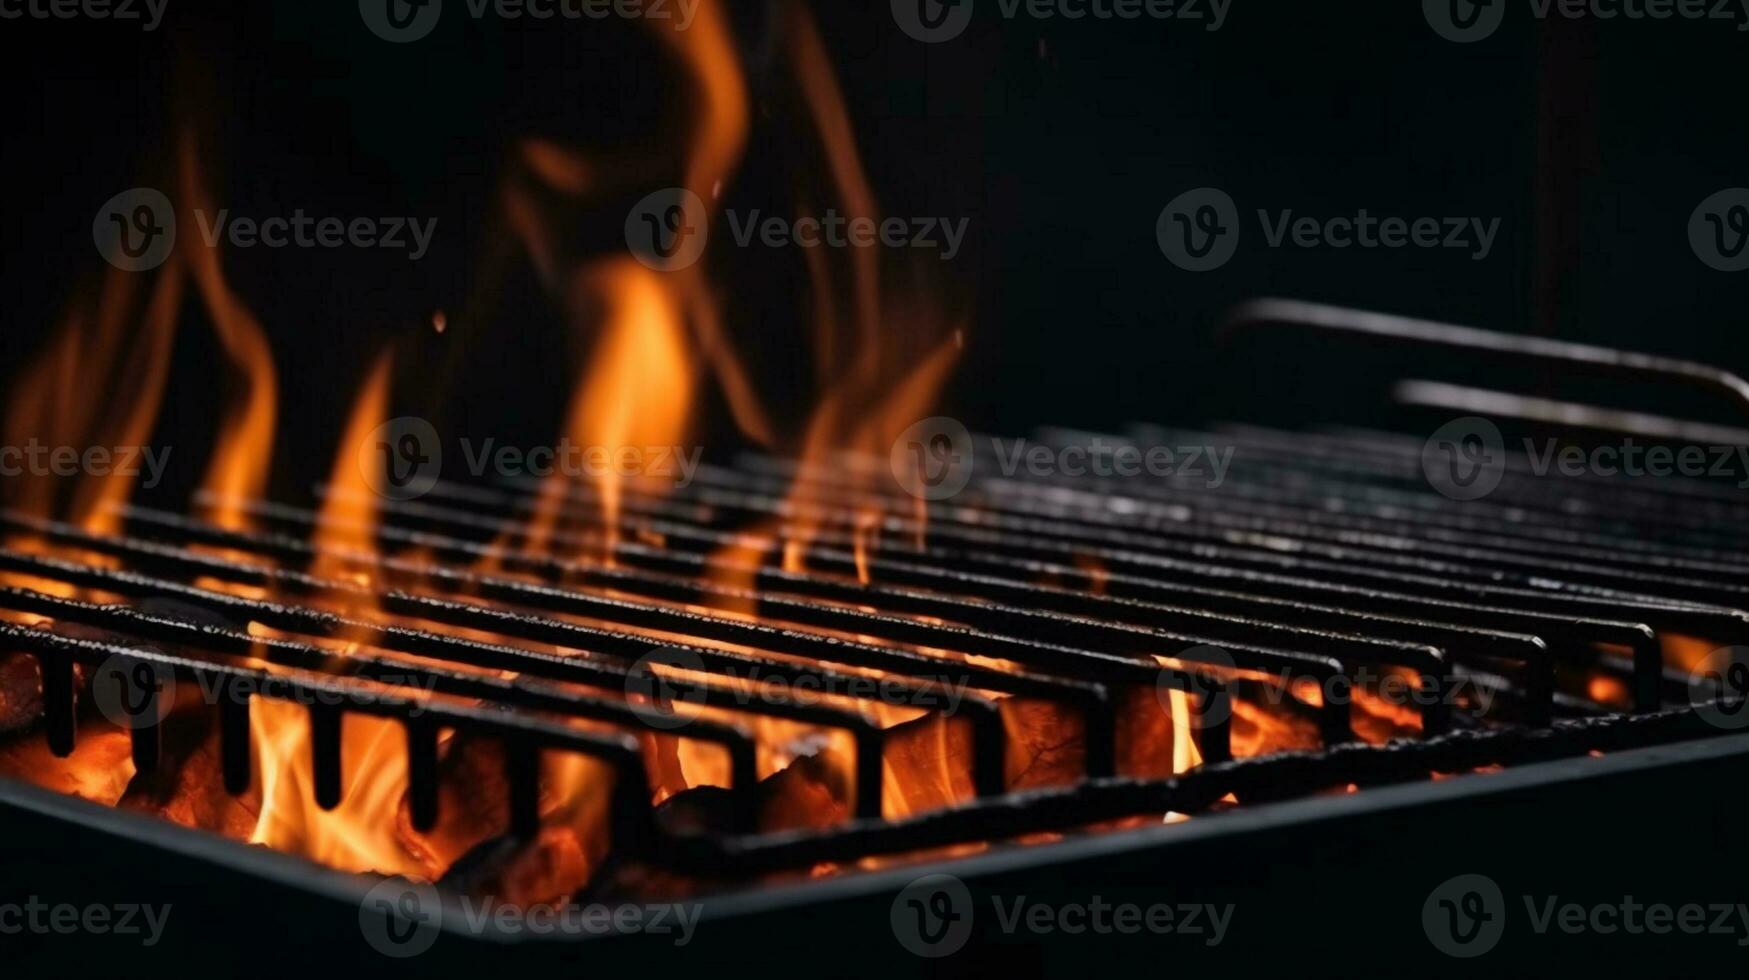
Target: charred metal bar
point(1132, 668)
point(982, 714)
point(294, 617)
point(524, 765)
point(325, 722)
point(1372, 551)
point(986, 721)
point(1280, 776)
point(1339, 637)
point(422, 774)
point(58, 704)
point(633, 814)
point(234, 736)
point(519, 693)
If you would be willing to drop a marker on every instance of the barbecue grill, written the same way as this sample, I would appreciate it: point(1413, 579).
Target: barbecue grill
point(1310, 693)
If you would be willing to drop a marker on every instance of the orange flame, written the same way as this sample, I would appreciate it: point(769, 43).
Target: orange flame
point(359, 834)
point(244, 450)
point(101, 347)
point(635, 396)
point(347, 523)
point(893, 374)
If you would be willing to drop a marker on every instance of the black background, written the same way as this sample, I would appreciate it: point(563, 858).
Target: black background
point(1060, 141)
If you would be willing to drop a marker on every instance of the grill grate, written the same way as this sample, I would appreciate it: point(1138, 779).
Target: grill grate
point(1320, 556)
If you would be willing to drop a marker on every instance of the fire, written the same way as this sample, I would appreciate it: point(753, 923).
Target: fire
point(719, 136)
point(358, 834)
point(882, 357)
point(638, 390)
point(119, 343)
point(635, 397)
point(244, 450)
point(349, 514)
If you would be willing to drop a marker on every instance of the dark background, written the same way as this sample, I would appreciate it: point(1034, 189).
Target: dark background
point(1060, 141)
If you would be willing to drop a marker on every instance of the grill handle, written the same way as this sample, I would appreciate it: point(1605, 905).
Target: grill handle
point(1260, 314)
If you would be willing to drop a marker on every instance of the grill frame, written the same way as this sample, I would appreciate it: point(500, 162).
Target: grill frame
point(137, 858)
